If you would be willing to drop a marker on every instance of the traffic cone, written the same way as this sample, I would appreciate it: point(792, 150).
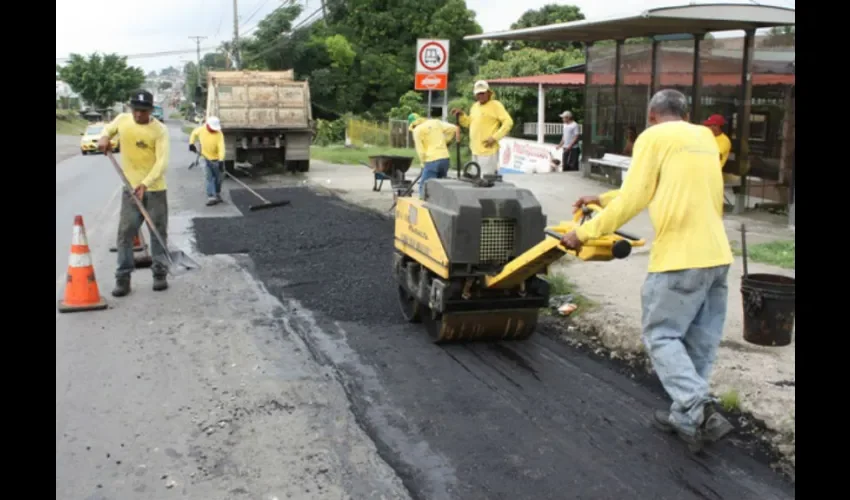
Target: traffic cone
point(145, 260)
point(138, 244)
point(81, 292)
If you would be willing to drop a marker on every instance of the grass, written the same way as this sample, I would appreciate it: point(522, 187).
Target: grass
point(68, 122)
point(176, 116)
point(560, 285)
point(776, 253)
point(354, 156)
point(730, 401)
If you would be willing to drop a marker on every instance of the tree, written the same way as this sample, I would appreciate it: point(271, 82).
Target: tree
point(101, 80)
point(548, 14)
point(165, 85)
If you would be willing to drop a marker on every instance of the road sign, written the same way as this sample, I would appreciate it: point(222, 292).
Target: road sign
point(432, 64)
point(430, 81)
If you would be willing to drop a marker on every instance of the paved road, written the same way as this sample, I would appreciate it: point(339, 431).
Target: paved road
point(202, 391)
point(531, 420)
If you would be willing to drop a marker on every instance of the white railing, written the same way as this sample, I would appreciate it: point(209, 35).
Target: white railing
point(548, 128)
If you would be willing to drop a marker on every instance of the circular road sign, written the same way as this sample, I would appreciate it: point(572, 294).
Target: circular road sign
point(432, 56)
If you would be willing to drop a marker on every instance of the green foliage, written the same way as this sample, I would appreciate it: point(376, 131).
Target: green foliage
point(101, 80)
point(330, 131)
point(548, 14)
point(409, 102)
point(165, 85)
point(340, 51)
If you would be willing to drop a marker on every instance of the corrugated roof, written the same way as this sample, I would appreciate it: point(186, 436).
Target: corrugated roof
point(701, 18)
point(667, 79)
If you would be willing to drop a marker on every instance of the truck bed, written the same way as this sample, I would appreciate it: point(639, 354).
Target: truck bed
point(259, 100)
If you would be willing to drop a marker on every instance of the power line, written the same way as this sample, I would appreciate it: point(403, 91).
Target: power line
point(149, 54)
point(274, 44)
point(255, 13)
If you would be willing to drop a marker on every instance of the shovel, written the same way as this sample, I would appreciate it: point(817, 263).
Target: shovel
point(178, 260)
point(266, 203)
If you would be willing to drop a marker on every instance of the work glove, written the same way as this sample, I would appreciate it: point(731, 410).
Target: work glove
point(192, 148)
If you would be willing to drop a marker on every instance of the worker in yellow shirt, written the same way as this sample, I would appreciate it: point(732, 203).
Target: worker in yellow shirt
point(144, 158)
point(488, 121)
point(431, 138)
point(674, 173)
point(212, 151)
point(716, 123)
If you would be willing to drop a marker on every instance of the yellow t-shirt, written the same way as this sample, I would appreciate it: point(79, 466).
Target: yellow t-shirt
point(674, 173)
point(725, 147)
point(144, 150)
point(431, 137)
point(483, 122)
point(212, 143)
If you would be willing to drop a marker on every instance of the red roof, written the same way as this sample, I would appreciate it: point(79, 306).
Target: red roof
point(577, 79)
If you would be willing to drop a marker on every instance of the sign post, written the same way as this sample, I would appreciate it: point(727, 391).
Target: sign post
point(432, 66)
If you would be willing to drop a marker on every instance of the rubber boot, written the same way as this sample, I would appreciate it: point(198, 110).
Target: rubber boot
point(160, 282)
point(122, 286)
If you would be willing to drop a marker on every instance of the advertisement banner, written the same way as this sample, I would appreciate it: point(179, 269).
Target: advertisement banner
point(518, 156)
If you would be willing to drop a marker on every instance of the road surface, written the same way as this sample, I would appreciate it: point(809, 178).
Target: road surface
point(200, 391)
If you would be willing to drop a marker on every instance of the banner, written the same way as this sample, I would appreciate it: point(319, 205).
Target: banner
point(518, 156)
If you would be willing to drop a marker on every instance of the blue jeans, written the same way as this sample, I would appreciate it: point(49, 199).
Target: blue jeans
point(214, 177)
point(683, 316)
point(437, 169)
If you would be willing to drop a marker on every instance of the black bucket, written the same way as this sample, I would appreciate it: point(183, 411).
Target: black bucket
point(769, 309)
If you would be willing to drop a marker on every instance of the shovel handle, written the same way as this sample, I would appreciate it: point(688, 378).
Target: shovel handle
point(138, 202)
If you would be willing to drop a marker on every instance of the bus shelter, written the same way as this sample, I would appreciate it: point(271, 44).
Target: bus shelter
point(748, 79)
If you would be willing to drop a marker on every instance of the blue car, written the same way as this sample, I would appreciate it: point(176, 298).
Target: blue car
point(157, 113)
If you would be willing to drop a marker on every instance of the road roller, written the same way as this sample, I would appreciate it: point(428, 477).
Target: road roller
point(471, 257)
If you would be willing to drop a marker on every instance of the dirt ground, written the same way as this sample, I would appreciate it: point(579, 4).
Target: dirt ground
point(763, 378)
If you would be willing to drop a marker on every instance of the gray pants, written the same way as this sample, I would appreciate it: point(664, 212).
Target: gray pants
point(489, 164)
point(131, 220)
point(683, 316)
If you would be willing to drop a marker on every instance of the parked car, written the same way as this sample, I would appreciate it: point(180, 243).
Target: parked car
point(88, 141)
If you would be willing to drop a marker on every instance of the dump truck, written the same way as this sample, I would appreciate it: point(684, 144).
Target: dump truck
point(265, 116)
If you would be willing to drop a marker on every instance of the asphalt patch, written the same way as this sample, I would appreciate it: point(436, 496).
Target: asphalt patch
point(528, 420)
point(317, 249)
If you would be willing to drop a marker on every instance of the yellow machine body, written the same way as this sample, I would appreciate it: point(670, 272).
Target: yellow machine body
point(470, 260)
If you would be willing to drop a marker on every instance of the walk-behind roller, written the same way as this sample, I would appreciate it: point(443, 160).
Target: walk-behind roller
point(470, 259)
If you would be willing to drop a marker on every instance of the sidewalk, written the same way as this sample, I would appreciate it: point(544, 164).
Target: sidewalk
point(763, 377)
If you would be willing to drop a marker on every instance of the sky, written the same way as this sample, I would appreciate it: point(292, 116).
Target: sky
point(152, 26)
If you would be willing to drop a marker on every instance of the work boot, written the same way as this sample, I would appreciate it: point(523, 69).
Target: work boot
point(714, 426)
point(160, 282)
point(211, 200)
point(218, 198)
point(122, 286)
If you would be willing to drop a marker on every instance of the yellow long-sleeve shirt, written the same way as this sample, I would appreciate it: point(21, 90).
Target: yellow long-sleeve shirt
point(673, 172)
point(145, 150)
point(485, 121)
point(431, 138)
point(212, 143)
point(725, 147)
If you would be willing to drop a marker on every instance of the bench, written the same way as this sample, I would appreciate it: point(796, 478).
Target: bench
point(612, 168)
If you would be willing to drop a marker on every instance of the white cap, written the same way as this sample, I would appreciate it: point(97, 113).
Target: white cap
point(480, 86)
point(214, 123)
point(566, 114)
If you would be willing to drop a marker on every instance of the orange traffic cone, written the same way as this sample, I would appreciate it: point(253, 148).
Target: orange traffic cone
point(81, 292)
point(145, 260)
point(138, 244)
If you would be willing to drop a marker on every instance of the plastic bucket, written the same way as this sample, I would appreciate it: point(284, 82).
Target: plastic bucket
point(769, 309)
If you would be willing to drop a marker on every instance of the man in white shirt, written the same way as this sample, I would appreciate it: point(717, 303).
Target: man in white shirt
point(569, 139)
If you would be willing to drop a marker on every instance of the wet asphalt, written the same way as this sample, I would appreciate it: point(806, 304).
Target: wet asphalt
point(531, 420)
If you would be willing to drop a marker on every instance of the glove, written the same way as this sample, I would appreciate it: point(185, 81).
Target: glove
point(192, 148)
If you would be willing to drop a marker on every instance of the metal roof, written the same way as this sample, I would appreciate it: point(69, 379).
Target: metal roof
point(667, 79)
point(700, 18)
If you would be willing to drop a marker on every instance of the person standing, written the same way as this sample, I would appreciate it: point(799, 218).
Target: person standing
point(488, 121)
point(145, 150)
point(212, 153)
point(715, 123)
point(569, 139)
point(431, 138)
point(674, 173)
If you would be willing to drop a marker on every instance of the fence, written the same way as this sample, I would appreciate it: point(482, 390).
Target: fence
point(530, 128)
point(362, 133)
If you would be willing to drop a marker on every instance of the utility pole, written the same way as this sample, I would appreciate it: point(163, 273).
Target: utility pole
point(198, 45)
point(236, 58)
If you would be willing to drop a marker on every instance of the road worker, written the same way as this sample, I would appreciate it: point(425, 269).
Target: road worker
point(674, 173)
point(431, 138)
point(212, 153)
point(488, 121)
point(144, 159)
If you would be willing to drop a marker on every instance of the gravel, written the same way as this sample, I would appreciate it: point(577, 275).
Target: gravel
point(318, 249)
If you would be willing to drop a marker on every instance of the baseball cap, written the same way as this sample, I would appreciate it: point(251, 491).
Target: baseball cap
point(480, 86)
point(214, 123)
point(412, 117)
point(565, 114)
point(714, 120)
point(141, 99)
